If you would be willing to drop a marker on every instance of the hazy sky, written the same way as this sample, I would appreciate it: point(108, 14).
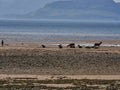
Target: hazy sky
point(41, 2)
point(117, 0)
point(12, 6)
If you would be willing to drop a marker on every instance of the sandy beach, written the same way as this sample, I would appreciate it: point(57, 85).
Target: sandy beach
point(31, 66)
point(33, 59)
point(26, 65)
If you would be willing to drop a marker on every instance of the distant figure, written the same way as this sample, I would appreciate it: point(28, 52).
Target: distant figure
point(2, 43)
point(60, 46)
point(71, 45)
point(43, 46)
point(79, 46)
point(97, 44)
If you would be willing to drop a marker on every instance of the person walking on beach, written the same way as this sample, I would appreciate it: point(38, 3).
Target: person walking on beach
point(2, 43)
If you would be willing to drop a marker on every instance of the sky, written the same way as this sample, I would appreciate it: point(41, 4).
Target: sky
point(41, 2)
point(117, 0)
point(12, 6)
point(4, 3)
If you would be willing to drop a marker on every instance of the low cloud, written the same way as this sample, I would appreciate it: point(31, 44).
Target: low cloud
point(117, 0)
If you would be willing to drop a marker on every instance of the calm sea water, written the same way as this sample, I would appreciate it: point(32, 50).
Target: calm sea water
point(40, 30)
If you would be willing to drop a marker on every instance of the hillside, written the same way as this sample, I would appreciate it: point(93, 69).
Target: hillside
point(79, 9)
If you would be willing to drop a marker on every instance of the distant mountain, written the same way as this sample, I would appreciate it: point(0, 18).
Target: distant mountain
point(119, 4)
point(79, 9)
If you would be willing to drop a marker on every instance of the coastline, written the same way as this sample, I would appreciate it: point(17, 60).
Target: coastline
point(16, 44)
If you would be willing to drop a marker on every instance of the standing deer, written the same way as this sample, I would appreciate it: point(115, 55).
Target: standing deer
point(97, 44)
point(2, 43)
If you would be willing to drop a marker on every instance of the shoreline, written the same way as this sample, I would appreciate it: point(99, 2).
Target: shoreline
point(55, 43)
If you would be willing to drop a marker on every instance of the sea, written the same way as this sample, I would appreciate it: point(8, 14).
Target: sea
point(55, 30)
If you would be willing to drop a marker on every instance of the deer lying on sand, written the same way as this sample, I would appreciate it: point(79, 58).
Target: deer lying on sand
point(79, 46)
point(43, 46)
point(71, 45)
point(60, 46)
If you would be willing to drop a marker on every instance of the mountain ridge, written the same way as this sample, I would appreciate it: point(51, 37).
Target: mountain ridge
point(79, 9)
